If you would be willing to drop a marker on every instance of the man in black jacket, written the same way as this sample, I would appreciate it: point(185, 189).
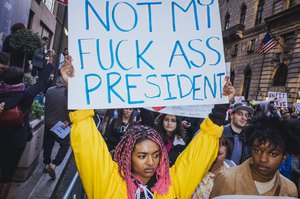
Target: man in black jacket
point(234, 132)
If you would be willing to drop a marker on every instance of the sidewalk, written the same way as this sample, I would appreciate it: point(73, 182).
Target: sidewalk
point(39, 185)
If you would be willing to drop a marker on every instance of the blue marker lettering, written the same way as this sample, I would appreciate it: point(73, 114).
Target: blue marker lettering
point(149, 4)
point(135, 17)
point(99, 55)
point(207, 11)
point(213, 88)
point(139, 56)
point(192, 3)
point(178, 44)
point(195, 88)
point(152, 83)
point(117, 56)
point(216, 51)
point(104, 24)
point(81, 53)
point(220, 82)
point(168, 86)
point(198, 51)
point(89, 90)
point(180, 87)
point(110, 86)
point(130, 86)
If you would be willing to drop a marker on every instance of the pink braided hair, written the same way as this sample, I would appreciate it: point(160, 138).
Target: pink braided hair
point(123, 153)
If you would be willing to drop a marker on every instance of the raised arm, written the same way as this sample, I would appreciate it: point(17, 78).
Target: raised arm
point(197, 158)
point(98, 172)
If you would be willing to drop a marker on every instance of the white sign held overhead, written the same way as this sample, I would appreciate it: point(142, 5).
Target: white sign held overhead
point(297, 106)
point(151, 53)
point(279, 98)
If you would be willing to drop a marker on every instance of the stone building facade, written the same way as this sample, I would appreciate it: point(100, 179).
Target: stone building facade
point(244, 25)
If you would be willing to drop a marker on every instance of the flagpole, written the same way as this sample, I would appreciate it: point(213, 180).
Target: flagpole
point(261, 70)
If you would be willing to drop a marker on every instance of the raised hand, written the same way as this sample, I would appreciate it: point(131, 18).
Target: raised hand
point(228, 89)
point(67, 70)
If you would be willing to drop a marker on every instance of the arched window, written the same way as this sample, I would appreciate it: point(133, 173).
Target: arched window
point(232, 77)
point(243, 13)
point(259, 13)
point(280, 75)
point(227, 20)
point(247, 81)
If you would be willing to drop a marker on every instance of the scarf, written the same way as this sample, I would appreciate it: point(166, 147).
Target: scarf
point(6, 88)
point(144, 191)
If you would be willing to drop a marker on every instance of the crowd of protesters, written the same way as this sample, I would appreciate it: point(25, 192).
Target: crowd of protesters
point(256, 143)
point(138, 153)
point(16, 99)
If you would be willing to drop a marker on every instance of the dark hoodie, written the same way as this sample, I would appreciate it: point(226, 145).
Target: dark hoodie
point(15, 137)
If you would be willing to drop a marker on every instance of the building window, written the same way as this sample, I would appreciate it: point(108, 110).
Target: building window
point(232, 77)
point(243, 13)
point(227, 21)
point(46, 32)
point(235, 50)
point(289, 41)
point(289, 3)
point(259, 13)
point(247, 81)
point(280, 75)
point(251, 46)
point(293, 3)
point(49, 4)
point(30, 19)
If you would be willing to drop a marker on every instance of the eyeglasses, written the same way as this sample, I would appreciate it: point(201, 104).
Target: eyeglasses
point(240, 113)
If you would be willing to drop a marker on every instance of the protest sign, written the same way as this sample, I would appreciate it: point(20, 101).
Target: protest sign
point(200, 111)
point(59, 129)
point(279, 98)
point(239, 99)
point(297, 107)
point(136, 54)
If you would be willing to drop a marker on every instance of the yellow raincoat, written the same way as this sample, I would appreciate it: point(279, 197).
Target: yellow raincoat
point(99, 173)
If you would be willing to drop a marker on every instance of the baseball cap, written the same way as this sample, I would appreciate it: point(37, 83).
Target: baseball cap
point(242, 106)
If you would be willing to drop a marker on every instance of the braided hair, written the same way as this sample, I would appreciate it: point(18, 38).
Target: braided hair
point(123, 152)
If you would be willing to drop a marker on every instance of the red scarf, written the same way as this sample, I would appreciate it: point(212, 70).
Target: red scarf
point(6, 88)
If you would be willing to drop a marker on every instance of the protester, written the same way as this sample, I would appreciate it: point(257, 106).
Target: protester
point(118, 126)
point(204, 188)
point(16, 57)
point(14, 137)
point(170, 129)
point(109, 115)
point(296, 172)
point(55, 111)
point(141, 167)
point(235, 134)
point(271, 140)
point(40, 58)
point(268, 109)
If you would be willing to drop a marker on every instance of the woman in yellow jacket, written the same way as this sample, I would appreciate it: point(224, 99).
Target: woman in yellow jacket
point(140, 168)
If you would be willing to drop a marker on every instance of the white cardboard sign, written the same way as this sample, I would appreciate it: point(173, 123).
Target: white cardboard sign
point(279, 98)
point(297, 106)
point(145, 53)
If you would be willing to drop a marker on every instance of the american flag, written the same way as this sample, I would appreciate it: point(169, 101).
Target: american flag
point(266, 44)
